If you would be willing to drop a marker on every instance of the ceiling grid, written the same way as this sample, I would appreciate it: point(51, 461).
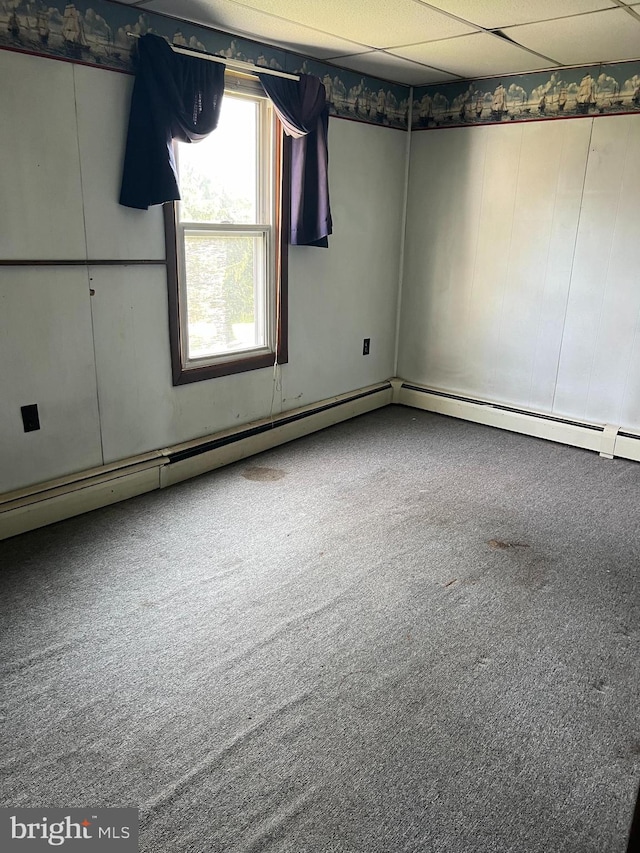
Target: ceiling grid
point(419, 43)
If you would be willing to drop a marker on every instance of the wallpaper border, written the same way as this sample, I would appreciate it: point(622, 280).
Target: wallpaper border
point(94, 32)
point(577, 92)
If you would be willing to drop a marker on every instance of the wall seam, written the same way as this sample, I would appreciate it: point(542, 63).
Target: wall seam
point(546, 274)
point(605, 293)
point(499, 338)
point(474, 273)
point(86, 248)
point(403, 233)
point(636, 335)
point(573, 260)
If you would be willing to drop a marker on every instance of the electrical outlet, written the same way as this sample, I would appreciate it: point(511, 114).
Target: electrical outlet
point(366, 344)
point(30, 418)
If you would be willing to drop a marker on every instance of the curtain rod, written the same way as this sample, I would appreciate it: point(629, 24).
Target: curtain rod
point(235, 64)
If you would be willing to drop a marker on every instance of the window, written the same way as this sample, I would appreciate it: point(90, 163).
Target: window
point(226, 244)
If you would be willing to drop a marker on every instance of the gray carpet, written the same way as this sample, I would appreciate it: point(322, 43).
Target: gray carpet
point(405, 633)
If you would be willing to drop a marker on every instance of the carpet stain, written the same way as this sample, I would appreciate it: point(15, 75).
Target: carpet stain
point(529, 569)
point(500, 545)
point(263, 474)
point(450, 583)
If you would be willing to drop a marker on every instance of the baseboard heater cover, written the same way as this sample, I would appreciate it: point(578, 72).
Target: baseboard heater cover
point(45, 503)
point(503, 407)
point(262, 427)
point(605, 439)
point(194, 458)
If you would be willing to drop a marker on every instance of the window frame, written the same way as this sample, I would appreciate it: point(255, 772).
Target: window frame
point(184, 372)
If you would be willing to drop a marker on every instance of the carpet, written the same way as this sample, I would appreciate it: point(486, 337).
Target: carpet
point(404, 633)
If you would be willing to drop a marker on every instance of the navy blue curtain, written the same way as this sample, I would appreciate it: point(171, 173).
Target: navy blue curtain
point(174, 97)
point(301, 107)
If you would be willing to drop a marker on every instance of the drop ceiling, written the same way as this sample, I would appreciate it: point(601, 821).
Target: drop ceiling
point(417, 43)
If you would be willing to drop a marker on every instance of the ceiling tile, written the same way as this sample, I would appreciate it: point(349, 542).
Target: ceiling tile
point(496, 14)
point(477, 55)
point(378, 23)
point(599, 37)
point(380, 64)
point(240, 20)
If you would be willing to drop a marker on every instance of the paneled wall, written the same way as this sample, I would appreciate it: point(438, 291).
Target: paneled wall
point(521, 266)
point(599, 365)
point(89, 344)
point(521, 277)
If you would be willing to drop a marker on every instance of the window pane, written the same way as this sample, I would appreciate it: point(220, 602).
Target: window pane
point(225, 283)
point(218, 175)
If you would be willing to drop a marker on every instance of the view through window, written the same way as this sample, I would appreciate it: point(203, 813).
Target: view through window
point(227, 239)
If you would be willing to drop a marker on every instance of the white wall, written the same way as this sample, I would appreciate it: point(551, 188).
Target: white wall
point(521, 266)
point(599, 366)
point(98, 366)
point(520, 276)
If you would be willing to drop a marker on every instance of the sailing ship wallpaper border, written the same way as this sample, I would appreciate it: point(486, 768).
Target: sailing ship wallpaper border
point(94, 32)
point(591, 90)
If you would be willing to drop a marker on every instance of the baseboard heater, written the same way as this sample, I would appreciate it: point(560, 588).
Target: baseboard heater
point(45, 503)
point(606, 439)
point(196, 457)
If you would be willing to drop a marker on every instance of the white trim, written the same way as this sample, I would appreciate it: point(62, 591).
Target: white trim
point(78, 498)
point(344, 407)
point(608, 443)
point(601, 438)
point(396, 385)
point(628, 447)
point(149, 460)
point(45, 503)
